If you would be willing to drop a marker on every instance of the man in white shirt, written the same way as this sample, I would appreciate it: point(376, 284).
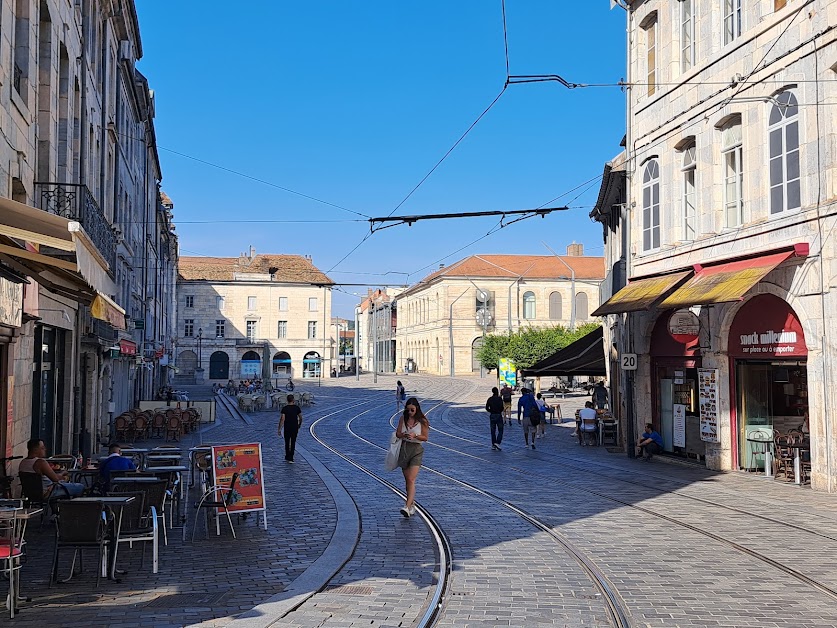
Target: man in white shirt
point(587, 412)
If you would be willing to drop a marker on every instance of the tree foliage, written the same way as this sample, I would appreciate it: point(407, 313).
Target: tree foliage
point(529, 345)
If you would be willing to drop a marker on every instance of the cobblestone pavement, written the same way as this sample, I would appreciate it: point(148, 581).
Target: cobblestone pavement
point(682, 546)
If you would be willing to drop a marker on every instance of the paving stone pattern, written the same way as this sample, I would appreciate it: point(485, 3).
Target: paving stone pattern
point(661, 533)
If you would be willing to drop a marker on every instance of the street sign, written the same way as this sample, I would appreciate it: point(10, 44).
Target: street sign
point(628, 361)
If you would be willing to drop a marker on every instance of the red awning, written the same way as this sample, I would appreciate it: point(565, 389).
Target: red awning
point(726, 282)
point(126, 347)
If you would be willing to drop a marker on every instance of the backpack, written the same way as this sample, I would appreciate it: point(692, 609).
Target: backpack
point(507, 397)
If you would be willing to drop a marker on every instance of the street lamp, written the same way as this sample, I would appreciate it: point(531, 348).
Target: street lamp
point(450, 329)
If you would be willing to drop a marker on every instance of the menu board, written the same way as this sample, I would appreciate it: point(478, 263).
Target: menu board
point(679, 420)
point(246, 460)
point(708, 400)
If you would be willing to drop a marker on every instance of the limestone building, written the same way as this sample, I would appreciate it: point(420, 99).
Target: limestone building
point(253, 315)
point(87, 245)
point(725, 223)
point(442, 319)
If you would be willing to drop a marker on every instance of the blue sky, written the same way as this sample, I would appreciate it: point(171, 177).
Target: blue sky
point(354, 102)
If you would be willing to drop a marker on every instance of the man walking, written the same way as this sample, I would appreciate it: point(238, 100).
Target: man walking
point(506, 395)
point(528, 408)
point(494, 407)
point(291, 420)
point(599, 396)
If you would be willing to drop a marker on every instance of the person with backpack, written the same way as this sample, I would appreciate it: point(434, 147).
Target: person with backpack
point(400, 395)
point(494, 407)
point(506, 395)
point(527, 406)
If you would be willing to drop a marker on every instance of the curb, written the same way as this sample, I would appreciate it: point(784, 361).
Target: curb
point(339, 550)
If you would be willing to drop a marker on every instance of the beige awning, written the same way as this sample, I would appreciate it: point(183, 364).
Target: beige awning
point(78, 270)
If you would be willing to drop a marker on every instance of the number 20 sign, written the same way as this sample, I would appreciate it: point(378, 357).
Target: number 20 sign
point(629, 361)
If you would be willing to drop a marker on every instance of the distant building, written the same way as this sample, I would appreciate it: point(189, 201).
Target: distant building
point(377, 320)
point(233, 313)
point(442, 319)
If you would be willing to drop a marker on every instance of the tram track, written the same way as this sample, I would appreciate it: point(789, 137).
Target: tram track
point(807, 580)
point(616, 608)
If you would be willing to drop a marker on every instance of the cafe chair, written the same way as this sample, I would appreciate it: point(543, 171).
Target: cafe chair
point(12, 529)
point(32, 490)
point(155, 499)
point(214, 492)
point(610, 432)
point(173, 428)
point(783, 458)
point(589, 431)
point(80, 526)
point(139, 526)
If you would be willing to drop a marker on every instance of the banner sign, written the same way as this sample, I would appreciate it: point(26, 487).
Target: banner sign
point(246, 460)
point(708, 400)
point(679, 416)
point(507, 372)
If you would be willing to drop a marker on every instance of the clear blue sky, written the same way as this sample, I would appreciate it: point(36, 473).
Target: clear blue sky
point(353, 103)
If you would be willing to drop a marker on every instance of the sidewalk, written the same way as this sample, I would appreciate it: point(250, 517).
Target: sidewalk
point(214, 579)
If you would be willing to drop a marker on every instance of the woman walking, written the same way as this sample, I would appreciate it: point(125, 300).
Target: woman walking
point(400, 395)
point(413, 429)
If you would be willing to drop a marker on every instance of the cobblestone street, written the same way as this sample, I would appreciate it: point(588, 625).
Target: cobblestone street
point(679, 545)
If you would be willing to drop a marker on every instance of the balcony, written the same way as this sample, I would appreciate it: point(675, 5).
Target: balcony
point(75, 202)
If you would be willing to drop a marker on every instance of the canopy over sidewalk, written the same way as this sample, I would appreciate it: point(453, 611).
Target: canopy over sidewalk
point(585, 356)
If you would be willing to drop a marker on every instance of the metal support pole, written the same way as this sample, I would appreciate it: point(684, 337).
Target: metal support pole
point(375, 341)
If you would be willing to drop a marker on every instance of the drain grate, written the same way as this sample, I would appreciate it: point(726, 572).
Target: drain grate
point(187, 600)
point(348, 589)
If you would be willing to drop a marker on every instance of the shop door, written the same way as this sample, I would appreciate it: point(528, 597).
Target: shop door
point(48, 390)
point(667, 413)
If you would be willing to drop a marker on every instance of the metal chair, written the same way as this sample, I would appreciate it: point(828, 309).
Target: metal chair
point(227, 493)
point(155, 499)
point(589, 431)
point(783, 458)
point(80, 526)
point(139, 526)
point(12, 530)
point(610, 432)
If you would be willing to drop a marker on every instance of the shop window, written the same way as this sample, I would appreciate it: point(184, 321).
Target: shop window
point(784, 153)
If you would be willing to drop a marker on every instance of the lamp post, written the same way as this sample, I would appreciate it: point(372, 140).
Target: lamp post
point(483, 317)
point(450, 330)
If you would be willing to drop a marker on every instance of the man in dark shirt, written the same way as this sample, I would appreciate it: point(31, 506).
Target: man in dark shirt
point(506, 395)
point(291, 420)
point(114, 462)
point(494, 407)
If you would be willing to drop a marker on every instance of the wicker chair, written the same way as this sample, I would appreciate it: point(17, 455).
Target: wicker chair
point(158, 425)
point(783, 459)
point(174, 428)
point(141, 427)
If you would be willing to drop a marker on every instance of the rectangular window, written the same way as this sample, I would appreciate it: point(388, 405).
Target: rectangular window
point(252, 330)
point(651, 206)
point(190, 301)
point(282, 332)
point(687, 35)
point(689, 209)
point(220, 328)
point(651, 55)
point(312, 330)
point(283, 304)
point(188, 327)
point(312, 304)
point(251, 303)
point(731, 145)
point(220, 302)
point(732, 20)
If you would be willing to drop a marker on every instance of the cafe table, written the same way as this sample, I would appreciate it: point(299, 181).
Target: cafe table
point(86, 476)
point(115, 504)
point(136, 454)
point(798, 448)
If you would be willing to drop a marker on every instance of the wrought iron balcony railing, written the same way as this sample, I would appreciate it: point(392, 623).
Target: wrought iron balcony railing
point(75, 202)
point(17, 78)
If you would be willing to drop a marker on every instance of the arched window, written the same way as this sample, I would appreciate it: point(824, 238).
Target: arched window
point(187, 362)
point(219, 365)
point(251, 364)
point(555, 306)
point(581, 312)
point(475, 349)
point(529, 305)
point(651, 206)
point(784, 154)
point(311, 365)
point(688, 169)
point(281, 363)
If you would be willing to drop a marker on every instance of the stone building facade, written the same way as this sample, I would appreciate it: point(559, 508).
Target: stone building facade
point(254, 315)
point(730, 206)
point(443, 318)
point(81, 218)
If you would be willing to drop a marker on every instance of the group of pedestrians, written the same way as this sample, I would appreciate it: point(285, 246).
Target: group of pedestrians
point(531, 414)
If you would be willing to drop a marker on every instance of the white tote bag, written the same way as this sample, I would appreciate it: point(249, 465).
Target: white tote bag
point(391, 460)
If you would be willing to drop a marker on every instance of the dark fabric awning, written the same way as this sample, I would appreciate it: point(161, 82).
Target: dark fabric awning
point(586, 356)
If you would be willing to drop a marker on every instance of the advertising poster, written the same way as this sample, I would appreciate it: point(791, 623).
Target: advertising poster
point(708, 400)
point(679, 416)
point(246, 460)
point(507, 372)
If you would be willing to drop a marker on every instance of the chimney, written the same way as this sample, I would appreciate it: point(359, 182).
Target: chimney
point(575, 250)
point(242, 259)
point(252, 252)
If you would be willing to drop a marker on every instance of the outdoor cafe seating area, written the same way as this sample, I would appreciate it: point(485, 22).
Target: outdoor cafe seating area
point(164, 422)
point(602, 430)
point(258, 402)
point(781, 455)
point(85, 539)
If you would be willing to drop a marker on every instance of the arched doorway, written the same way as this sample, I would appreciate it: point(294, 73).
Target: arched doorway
point(281, 364)
point(187, 362)
point(219, 365)
point(251, 364)
point(475, 349)
point(311, 365)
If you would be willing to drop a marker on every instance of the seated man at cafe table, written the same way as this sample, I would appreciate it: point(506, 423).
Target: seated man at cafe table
point(114, 462)
point(650, 442)
point(54, 483)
